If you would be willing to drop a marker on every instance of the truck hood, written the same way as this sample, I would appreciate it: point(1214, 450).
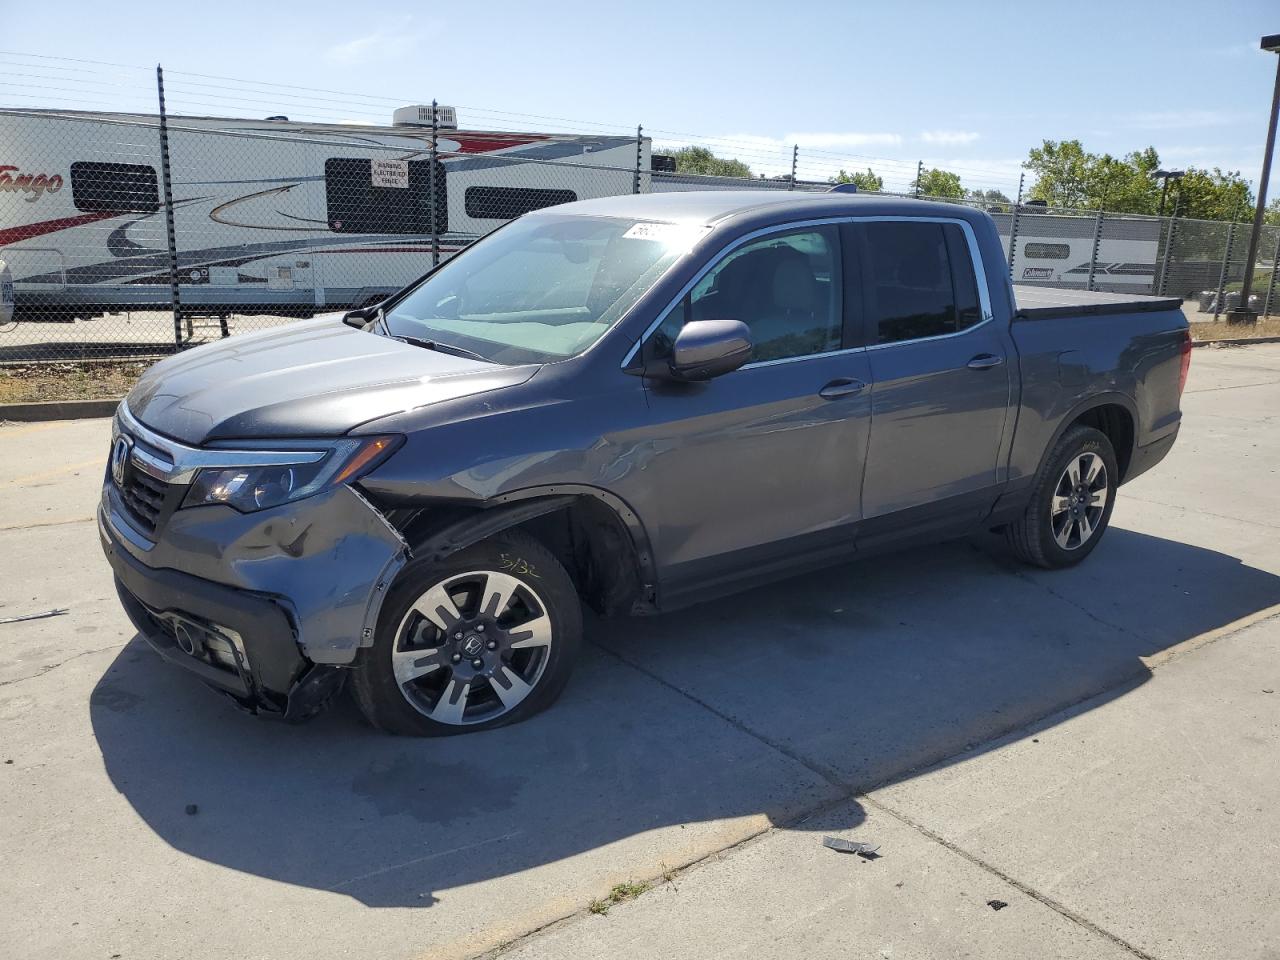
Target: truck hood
point(315, 378)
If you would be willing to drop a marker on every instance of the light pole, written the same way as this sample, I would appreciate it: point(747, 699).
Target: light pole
point(1242, 313)
point(1166, 176)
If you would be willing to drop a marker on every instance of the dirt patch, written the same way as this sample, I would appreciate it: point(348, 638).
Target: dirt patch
point(68, 381)
point(1208, 332)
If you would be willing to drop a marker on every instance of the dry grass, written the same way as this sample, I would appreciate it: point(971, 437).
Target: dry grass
point(68, 381)
point(1208, 332)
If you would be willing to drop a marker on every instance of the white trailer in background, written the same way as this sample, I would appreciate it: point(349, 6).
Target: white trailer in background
point(270, 216)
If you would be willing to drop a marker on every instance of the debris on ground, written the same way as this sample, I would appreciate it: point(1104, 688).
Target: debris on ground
point(996, 904)
point(850, 846)
point(35, 616)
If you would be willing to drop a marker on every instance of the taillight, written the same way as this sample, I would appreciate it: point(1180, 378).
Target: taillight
point(1186, 363)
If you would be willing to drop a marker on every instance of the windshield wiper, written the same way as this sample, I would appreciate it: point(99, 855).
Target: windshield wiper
point(442, 347)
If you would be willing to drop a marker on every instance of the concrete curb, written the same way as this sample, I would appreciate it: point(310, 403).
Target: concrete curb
point(58, 410)
point(1235, 341)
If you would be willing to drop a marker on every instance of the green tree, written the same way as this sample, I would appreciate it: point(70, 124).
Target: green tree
point(1272, 216)
point(1069, 176)
point(995, 197)
point(870, 181)
point(939, 183)
point(1212, 195)
point(702, 161)
point(1061, 171)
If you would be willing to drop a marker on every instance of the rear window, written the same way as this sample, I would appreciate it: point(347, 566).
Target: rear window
point(114, 187)
point(394, 198)
point(507, 203)
point(921, 281)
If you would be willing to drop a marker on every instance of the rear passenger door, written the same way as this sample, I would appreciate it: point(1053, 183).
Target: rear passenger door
point(940, 369)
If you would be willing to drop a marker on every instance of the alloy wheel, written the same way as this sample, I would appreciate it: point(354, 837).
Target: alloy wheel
point(472, 647)
point(1079, 500)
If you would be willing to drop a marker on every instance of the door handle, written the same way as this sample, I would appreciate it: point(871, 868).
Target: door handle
point(842, 387)
point(985, 361)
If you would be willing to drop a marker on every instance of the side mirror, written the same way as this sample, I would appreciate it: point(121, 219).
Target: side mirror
point(709, 348)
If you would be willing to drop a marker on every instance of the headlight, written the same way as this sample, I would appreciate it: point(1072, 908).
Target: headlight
point(257, 488)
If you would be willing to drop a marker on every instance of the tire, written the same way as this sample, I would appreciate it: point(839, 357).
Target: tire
point(1064, 521)
point(511, 662)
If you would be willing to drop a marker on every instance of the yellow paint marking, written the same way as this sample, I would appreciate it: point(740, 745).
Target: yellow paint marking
point(57, 471)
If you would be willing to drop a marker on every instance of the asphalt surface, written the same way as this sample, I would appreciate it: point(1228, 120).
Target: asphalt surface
point(1095, 748)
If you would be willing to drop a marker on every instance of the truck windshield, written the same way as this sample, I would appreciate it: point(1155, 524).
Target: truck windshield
point(542, 288)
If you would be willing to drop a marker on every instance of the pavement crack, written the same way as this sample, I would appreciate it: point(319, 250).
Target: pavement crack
point(46, 668)
point(1056, 906)
point(47, 523)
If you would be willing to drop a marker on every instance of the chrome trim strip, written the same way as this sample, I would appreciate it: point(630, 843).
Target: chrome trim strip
point(980, 276)
point(184, 461)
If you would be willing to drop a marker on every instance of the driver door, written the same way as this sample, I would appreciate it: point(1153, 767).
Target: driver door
point(760, 469)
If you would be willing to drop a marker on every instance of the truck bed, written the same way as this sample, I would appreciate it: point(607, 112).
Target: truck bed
point(1043, 303)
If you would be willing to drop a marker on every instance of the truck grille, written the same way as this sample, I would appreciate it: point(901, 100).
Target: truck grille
point(144, 497)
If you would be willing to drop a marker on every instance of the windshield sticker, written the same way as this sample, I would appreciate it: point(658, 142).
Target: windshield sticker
point(680, 235)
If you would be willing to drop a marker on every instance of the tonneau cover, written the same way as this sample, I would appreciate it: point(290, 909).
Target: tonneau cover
point(1042, 303)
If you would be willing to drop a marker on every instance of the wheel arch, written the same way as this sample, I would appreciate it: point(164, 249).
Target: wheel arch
point(595, 534)
point(1114, 414)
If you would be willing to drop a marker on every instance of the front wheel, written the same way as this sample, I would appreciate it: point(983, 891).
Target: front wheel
point(484, 638)
point(1071, 502)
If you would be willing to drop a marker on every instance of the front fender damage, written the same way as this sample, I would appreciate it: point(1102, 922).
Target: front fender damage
point(329, 560)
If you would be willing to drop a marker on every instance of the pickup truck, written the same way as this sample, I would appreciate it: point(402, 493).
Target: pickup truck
point(634, 403)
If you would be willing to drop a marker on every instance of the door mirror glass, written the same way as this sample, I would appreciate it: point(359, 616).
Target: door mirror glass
point(708, 348)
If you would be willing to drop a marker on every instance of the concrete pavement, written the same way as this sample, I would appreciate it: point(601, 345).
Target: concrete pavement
point(1092, 747)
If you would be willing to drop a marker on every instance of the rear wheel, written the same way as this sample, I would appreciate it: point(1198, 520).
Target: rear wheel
point(485, 638)
point(1071, 502)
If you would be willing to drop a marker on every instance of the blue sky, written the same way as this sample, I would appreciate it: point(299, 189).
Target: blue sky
point(967, 86)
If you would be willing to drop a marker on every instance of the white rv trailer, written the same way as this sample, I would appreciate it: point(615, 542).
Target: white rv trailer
point(270, 216)
point(1055, 250)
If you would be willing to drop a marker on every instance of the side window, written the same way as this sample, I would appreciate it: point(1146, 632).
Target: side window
point(114, 187)
point(507, 203)
point(784, 287)
point(920, 281)
point(386, 196)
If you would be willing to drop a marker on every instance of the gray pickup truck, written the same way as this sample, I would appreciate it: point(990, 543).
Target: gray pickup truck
point(637, 403)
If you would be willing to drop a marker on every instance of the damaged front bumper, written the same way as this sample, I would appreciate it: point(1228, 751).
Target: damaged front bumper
point(266, 607)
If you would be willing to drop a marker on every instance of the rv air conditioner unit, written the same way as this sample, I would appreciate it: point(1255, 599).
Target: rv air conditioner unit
point(419, 115)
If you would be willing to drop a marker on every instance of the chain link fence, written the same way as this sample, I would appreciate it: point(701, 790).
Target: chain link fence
point(135, 235)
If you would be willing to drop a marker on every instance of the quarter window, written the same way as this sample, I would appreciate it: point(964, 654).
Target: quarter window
point(919, 280)
point(114, 187)
point(785, 288)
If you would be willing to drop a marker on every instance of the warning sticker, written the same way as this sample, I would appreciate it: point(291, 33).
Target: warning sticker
point(390, 173)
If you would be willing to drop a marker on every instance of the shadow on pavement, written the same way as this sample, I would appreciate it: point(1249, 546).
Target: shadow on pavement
point(864, 671)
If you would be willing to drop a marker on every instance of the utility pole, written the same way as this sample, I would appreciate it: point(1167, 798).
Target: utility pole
point(1242, 313)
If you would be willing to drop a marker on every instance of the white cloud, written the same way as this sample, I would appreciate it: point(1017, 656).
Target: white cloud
point(949, 138)
point(389, 42)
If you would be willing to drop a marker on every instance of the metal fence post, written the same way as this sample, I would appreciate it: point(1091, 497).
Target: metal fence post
point(1097, 242)
point(1163, 279)
point(1271, 284)
point(1222, 277)
point(1013, 223)
point(635, 179)
point(920, 173)
point(175, 295)
point(795, 156)
point(432, 166)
